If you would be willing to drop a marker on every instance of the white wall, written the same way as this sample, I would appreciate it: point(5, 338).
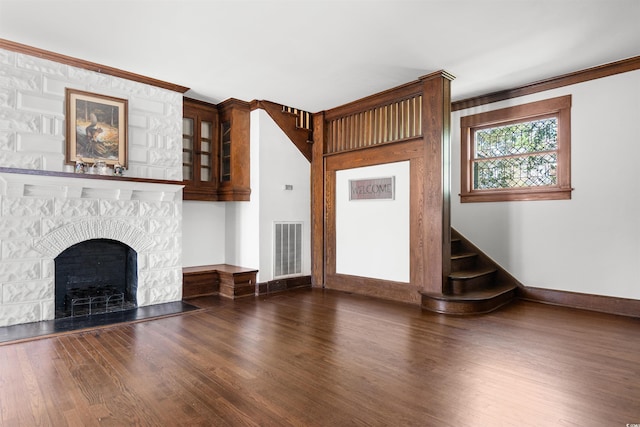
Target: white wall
point(591, 243)
point(281, 163)
point(372, 236)
point(275, 161)
point(243, 218)
point(203, 233)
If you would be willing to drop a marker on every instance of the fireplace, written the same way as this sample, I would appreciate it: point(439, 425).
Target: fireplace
point(95, 276)
point(137, 223)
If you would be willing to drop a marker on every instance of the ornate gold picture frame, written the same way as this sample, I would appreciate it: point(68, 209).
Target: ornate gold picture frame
point(96, 128)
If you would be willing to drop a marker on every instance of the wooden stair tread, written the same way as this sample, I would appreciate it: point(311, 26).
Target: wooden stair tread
point(462, 255)
point(470, 303)
point(471, 274)
point(479, 295)
point(475, 283)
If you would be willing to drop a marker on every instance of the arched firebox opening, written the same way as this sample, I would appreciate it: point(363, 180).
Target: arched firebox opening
point(95, 276)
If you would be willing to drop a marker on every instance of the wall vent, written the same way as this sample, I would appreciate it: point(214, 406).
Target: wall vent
point(287, 258)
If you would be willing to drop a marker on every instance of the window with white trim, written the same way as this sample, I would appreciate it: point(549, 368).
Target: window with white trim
point(517, 153)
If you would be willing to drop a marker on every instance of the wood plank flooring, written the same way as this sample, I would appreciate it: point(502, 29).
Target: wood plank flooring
point(322, 358)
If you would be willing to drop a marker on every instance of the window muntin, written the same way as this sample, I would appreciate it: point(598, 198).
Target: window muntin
point(517, 153)
point(521, 154)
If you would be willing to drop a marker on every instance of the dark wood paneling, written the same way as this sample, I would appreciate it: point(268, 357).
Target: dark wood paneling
point(200, 283)
point(237, 112)
point(394, 121)
point(378, 288)
point(285, 284)
point(429, 186)
point(317, 203)
point(417, 264)
point(436, 210)
point(235, 285)
point(379, 154)
point(329, 225)
point(411, 151)
point(91, 66)
point(229, 281)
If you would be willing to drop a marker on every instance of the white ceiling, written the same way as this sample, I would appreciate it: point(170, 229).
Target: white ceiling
point(316, 55)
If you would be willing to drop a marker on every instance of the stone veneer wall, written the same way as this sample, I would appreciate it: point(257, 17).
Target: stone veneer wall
point(32, 122)
point(40, 216)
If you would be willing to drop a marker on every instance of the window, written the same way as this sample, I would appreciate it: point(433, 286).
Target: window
point(517, 153)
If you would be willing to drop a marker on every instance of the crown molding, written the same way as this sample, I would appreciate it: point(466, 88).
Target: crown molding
point(92, 66)
point(618, 67)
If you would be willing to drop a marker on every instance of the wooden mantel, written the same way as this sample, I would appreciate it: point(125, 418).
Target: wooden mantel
point(87, 176)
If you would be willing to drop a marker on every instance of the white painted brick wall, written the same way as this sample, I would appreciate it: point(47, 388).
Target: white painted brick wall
point(32, 122)
point(40, 216)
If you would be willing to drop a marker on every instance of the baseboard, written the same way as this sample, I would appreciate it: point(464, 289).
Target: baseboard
point(281, 285)
point(601, 303)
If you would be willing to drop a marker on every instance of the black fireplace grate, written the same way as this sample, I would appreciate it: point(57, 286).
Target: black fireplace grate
point(94, 300)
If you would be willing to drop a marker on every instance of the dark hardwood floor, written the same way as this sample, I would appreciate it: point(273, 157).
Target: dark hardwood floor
point(314, 358)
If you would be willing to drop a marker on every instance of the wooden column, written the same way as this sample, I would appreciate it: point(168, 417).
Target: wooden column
point(317, 202)
point(436, 224)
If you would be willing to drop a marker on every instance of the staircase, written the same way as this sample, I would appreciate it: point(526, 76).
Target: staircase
point(475, 285)
point(296, 124)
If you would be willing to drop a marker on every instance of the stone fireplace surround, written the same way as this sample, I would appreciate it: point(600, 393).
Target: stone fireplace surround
point(41, 215)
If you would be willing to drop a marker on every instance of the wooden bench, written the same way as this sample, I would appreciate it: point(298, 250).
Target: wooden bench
point(226, 280)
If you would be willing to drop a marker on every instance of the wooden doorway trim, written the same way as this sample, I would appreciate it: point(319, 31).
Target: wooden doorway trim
point(429, 156)
point(411, 151)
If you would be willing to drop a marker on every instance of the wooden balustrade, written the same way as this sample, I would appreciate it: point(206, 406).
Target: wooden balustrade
point(386, 123)
point(304, 119)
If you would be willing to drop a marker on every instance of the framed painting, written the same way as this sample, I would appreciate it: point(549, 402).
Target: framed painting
point(96, 128)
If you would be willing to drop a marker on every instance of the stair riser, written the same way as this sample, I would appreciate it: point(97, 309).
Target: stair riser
point(463, 264)
point(467, 307)
point(460, 286)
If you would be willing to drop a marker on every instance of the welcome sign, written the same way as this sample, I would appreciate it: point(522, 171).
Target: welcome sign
point(376, 188)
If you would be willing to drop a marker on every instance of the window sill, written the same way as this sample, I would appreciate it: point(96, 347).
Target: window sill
point(516, 195)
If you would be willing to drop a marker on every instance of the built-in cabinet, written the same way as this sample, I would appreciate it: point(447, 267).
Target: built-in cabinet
point(200, 148)
point(234, 150)
point(215, 150)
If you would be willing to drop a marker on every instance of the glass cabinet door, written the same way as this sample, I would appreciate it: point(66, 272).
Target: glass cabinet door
point(225, 155)
point(206, 151)
point(187, 148)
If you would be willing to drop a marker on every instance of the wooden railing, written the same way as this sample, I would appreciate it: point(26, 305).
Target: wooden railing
point(304, 119)
point(389, 122)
